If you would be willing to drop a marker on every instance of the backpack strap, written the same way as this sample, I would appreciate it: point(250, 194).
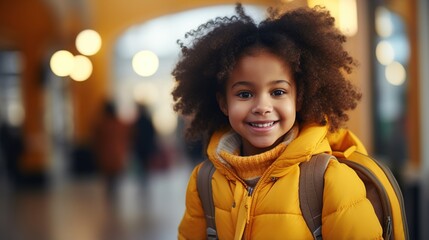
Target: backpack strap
point(204, 187)
point(311, 183)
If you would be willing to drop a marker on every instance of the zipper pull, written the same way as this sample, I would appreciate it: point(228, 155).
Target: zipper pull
point(248, 203)
point(388, 227)
point(249, 191)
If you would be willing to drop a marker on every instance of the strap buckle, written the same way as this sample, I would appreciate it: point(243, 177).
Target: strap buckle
point(211, 234)
point(317, 234)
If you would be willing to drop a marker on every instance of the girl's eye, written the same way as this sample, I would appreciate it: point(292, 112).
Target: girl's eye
point(244, 95)
point(278, 92)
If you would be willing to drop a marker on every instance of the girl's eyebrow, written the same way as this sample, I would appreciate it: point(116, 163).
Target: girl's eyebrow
point(241, 83)
point(281, 81)
point(274, 82)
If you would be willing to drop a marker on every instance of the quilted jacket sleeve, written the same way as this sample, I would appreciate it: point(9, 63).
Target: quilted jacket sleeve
point(193, 224)
point(347, 213)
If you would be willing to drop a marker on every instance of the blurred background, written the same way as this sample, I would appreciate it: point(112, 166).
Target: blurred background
point(91, 149)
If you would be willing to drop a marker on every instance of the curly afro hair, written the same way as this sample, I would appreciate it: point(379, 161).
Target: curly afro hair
point(305, 38)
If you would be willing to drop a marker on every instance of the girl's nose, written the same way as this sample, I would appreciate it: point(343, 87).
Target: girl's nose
point(262, 106)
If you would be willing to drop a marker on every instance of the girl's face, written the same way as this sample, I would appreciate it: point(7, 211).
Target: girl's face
point(260, 101)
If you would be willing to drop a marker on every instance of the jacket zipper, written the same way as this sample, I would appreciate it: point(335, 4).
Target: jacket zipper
point(248, 203)
point(249, 197)
point(250, 191)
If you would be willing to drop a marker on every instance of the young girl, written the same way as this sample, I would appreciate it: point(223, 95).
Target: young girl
point(268, 96)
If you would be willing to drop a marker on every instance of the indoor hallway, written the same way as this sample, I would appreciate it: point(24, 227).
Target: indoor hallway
point(81, 209)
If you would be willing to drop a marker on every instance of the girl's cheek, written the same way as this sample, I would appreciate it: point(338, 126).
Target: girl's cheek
point(236, 106)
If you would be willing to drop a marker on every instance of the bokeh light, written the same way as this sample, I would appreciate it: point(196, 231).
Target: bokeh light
point(15, 113)
point(395, 73)
point(384, 53)
point(348, 19)
point(383, 23)
point(88, 42)
point(82, 69)
point(145, 63)
point(61, 63)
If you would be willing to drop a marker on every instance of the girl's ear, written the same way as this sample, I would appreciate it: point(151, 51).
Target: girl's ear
point(222, 103)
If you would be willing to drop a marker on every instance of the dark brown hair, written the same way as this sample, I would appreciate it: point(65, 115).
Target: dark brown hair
point(305, 38)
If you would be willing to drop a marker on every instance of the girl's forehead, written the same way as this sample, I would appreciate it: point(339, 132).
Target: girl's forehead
point(261, 56)
point(257, 50)
point(264, 66)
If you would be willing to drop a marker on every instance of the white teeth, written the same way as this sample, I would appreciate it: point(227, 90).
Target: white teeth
point(262, 125)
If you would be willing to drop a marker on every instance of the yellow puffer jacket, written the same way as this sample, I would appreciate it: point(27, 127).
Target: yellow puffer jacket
point(272, 210)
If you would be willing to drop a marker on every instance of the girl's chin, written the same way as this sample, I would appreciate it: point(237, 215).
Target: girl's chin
point(265, 143)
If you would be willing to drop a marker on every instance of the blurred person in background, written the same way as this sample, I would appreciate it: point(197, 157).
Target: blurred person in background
point(111, 146)
point(11, 149)
point(144, 144)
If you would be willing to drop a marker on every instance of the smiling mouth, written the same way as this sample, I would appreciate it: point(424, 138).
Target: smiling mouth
point(262, 125)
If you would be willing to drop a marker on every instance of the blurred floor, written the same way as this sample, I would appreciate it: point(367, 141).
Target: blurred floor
point(81, 209)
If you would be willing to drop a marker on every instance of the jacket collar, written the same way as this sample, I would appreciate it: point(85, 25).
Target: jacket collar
point(311, 140)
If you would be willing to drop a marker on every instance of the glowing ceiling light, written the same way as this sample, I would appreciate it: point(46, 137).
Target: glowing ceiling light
point(348, 19)
point(82, 68)
point(145, 63)
point(384, 52)
point(61, 63)
point(383, 22)
point(88, 42)
point(395, 73)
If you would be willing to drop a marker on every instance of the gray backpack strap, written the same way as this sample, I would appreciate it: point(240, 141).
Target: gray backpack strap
point(311, 182)
point(204, 187)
